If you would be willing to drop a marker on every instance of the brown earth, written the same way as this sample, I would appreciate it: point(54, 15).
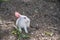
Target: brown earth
point(44, 15)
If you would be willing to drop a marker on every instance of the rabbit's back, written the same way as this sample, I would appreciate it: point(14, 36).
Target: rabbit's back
point(21, 22)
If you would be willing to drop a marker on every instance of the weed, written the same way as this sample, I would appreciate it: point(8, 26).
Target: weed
point(20, 35)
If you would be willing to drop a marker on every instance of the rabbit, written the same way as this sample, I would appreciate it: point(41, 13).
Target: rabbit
point(22, 22)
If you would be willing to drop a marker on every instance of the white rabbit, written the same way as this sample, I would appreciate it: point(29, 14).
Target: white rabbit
point(22, 22)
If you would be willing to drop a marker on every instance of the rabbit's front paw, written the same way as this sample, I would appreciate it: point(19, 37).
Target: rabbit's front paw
point(25, 28)
point(20, 30)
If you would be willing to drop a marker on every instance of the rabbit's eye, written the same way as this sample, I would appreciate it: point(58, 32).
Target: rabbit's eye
point(24, 17)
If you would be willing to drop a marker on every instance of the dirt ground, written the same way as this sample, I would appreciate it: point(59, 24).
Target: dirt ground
point(44, 15)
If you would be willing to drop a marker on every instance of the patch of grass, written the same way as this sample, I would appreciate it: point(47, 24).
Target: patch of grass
point(20, 35)
point(49, 33)
point(4, 0)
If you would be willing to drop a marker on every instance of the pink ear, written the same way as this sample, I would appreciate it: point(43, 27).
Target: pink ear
point(17, 14)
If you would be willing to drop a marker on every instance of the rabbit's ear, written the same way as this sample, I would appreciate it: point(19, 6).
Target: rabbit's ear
point(17, 14)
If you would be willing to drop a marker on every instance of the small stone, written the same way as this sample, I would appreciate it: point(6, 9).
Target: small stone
point(32, 33)
point(51, 7)
point(36, 11)
point(42, 35)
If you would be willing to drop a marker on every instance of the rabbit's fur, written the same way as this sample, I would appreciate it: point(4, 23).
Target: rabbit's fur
point(23, 22)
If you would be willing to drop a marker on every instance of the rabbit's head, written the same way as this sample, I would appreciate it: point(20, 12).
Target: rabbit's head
point(24, 18)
